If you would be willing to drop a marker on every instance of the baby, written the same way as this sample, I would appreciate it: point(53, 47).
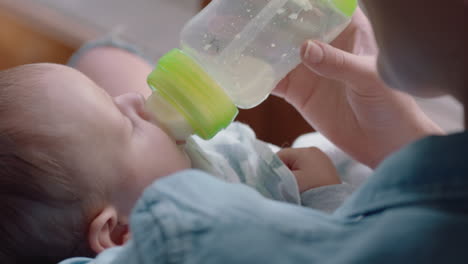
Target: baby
point(73, 162)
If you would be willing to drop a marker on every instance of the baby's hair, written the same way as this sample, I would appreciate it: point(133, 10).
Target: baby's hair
point(42, 219)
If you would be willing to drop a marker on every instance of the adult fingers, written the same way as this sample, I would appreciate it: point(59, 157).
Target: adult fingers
point(336, 64)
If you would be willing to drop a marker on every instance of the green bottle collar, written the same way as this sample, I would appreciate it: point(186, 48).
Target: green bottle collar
point(184, 84)
point(347, 7)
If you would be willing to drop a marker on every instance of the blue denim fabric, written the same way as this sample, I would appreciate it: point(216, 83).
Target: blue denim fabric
point(413, 210)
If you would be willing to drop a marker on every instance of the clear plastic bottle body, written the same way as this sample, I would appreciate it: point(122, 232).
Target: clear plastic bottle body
point(248, 46)
point(232, 55)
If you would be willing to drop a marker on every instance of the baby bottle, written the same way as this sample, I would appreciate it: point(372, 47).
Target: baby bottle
point(232, 55)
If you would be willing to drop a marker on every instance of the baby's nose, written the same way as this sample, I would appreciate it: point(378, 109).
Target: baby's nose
point(131, 104)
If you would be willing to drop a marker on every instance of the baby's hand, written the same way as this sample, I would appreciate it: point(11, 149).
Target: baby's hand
point(311, 166)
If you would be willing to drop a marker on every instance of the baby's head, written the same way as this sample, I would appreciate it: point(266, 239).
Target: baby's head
point(73, 161)
point(422, 44)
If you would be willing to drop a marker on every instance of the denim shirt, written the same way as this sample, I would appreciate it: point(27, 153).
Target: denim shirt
point(414, 209)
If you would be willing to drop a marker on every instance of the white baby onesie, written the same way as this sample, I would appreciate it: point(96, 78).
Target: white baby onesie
point(236, 155)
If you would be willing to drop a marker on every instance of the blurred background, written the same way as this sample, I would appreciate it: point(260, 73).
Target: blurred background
point(51, 30)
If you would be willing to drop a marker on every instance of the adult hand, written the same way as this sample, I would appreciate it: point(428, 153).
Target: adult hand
point(338, 91)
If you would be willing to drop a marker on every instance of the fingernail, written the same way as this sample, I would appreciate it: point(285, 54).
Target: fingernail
point(312, 53)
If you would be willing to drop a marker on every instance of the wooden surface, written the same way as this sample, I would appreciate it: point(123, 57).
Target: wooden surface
point(19, 44)
point(275, 121)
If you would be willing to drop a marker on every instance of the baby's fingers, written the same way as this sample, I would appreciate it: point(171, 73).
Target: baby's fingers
point(311, 167)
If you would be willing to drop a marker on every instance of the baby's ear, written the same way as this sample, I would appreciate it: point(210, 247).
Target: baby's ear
point(106, 232)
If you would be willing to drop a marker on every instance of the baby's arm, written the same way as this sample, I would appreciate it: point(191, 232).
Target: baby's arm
point(311, 167)
point(116, 70)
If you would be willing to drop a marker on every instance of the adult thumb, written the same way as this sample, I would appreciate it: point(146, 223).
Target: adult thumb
point(336, 64)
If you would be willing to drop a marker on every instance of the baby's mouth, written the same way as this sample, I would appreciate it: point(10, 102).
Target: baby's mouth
point(145, 115)
point(156, 123)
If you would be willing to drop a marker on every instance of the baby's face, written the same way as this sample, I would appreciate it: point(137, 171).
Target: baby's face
point(421, 44)
point(107, 141)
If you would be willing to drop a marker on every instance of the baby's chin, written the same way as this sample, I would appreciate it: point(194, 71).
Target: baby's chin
point(188, 161)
